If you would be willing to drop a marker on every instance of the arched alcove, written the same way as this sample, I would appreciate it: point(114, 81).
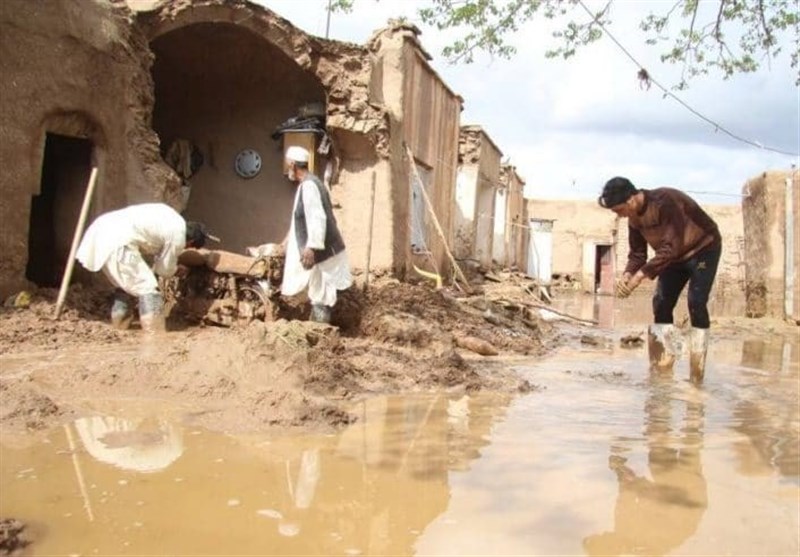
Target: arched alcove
point(224, 88)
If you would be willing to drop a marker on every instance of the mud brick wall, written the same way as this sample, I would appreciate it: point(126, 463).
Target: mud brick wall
point(764, 212)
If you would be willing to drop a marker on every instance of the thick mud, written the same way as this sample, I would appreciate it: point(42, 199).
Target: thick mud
point(289, 373)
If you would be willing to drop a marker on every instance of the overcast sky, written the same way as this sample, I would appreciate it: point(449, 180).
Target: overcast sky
point(570, 125)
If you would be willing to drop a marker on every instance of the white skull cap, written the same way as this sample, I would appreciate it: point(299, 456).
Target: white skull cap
point(297, 154)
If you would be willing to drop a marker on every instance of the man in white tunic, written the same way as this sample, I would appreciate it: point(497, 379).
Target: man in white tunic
point(315, 254)
point(118, 243)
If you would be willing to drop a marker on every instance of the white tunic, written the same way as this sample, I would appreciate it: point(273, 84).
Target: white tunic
point(325, 278)
point(115, 242)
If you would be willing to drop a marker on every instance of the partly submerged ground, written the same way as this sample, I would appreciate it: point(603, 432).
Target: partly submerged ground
point(398, 337)
point(257, 376)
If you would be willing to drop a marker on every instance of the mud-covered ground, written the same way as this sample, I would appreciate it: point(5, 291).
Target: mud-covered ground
point(397, 337)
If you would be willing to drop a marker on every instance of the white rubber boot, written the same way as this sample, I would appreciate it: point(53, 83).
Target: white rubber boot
point(151, 313)
point(661, 346)
point(698, 346)
point(121, 314)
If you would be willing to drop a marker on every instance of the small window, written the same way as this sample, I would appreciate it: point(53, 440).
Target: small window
point(419, 210)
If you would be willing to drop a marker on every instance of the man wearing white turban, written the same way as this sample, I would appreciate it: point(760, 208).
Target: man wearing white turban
point(315, 253)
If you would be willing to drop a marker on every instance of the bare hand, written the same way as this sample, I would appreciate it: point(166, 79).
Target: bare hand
point(622, 288)
point(307, 258)
point(627, 284)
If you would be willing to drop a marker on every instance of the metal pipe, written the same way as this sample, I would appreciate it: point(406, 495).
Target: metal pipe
point(328, 23)
point(788, 243)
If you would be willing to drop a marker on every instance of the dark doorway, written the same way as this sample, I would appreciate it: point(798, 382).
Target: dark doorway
point(55, 211)
point(603, 270)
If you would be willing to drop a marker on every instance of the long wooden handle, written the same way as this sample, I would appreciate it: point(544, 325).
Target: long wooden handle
point(87, 201)
point(438, 226)
point(369, 237)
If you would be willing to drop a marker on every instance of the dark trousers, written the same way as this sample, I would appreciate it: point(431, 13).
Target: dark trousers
point(699, 272)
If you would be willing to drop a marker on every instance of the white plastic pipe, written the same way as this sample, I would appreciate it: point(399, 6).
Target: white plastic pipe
point(788, 243)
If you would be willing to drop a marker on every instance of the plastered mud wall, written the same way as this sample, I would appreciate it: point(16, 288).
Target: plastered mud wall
point(128, 77)
point(258, 71)
point(517, 228)
point(478, 177)
point(575, 223)
point(118, 74)
point(764, 211)
point(578, 223)
point(76, 69)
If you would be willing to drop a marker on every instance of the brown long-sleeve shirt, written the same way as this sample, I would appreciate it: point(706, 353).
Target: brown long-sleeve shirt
point(674, 225)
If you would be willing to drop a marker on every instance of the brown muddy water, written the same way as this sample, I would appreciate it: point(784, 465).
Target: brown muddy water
point(602, 459)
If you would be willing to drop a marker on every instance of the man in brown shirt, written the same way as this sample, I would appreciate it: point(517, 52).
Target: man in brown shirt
point(687, 246)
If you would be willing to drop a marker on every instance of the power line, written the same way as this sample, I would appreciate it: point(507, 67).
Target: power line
point(667, 92)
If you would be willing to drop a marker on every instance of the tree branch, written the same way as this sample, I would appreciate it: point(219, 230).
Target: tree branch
point(689, 39)
point(717, 33)
point(764, 22)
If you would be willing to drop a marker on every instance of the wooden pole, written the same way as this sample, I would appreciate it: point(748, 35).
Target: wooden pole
point(369, 237)
point(87, 201)
point(457, 269)
point(87, 503)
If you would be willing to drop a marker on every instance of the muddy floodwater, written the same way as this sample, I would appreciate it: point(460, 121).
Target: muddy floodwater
point(601, 458)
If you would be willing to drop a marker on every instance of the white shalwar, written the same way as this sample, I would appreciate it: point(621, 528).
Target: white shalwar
point(117, 241)
point(325, 278)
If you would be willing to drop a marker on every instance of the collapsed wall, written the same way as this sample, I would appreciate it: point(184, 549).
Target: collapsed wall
point(516, 224)
point(478, 176)
point(79, 91)
point(764, 209)
point(129, 79)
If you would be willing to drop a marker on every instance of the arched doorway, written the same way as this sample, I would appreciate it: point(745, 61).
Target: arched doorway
point(55, 209)
point(224, 89)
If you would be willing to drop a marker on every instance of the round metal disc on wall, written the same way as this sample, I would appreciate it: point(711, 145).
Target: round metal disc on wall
point(248, 163)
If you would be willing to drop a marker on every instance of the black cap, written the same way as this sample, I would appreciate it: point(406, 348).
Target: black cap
point(197, 234)
point(617, 190)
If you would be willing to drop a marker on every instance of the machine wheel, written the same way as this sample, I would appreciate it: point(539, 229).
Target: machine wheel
point(254, 304)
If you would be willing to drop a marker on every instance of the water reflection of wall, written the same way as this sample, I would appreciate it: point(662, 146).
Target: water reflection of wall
point(774, 355)
point(371, 488)
point(658, 510)
point(768, 417)
point(637, 310)
point(381, 481)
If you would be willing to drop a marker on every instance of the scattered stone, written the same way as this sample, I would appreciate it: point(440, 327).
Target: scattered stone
point(631, 341)
point(12, 540)
point(477, 345)
point(591, 340)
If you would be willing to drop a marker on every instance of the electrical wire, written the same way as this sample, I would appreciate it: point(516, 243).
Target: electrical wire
point(717, 127)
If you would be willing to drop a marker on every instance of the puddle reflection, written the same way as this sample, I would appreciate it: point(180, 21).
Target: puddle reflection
point(658, 508)
point(605, 460)
point(610, 312)
point(120, 486)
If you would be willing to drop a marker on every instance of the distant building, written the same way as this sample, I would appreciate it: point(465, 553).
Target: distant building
point(590, 244)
